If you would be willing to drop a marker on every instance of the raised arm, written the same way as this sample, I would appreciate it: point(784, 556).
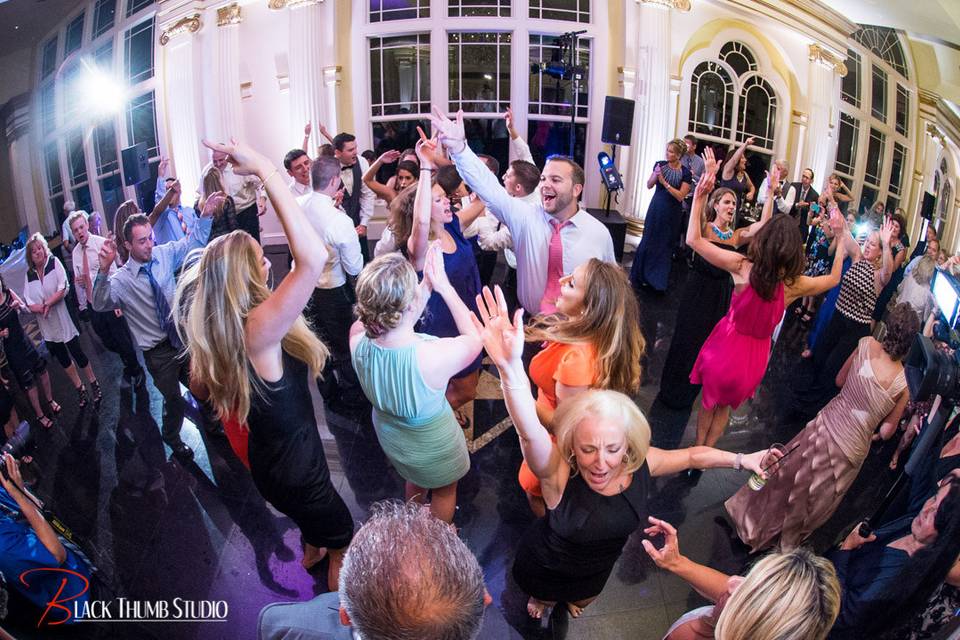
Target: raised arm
point(103, 298)
point(468, 214)
point(41, 528)
point(886, 266)
point(730, 166)
point(326, 134)
point(720, 258)
point(664, 462)
point(307, 130)
point(503, 341)
point(418, 242)
point(709, 583)
point(751, 189)
point(519, 146)
point(370, 177)
point(807, 286)
point(161, 206)
point(773, 177)
point(270, 321)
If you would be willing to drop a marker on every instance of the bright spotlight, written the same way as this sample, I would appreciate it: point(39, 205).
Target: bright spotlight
point(102, 93)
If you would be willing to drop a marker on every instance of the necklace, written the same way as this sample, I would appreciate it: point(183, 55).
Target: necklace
point(723, 235)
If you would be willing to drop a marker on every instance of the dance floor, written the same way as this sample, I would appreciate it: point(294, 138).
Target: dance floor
point(158, 529)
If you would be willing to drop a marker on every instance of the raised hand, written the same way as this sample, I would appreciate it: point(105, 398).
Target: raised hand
point(749, 141)
point(162, 168)
point(389, 157)
point(108, 253)
point(502, 339)
point(837, 223)
point(212, 203)
point(307, 130)
point(710, 163)
point(451, 132)
point(245, 160)
point(15, 481)
point(886, 232)
point(508, 118)
point(773, 178)
point(669, 555)
point(434, 269)
point(427, 150)
point(175, 187)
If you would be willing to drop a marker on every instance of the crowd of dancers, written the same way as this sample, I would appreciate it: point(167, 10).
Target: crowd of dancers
point(400, 334)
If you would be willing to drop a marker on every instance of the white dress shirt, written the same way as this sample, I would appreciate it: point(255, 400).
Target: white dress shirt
point(299, 190)
point(94, 244)
point(56, 326)
point(338, 234)
point(367, 197)
point(783, 202)
point(243, 189)
point(584, 238)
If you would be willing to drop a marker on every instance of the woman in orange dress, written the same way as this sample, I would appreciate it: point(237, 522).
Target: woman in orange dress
point(593, 341)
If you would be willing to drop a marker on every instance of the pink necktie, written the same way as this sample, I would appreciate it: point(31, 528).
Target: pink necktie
point(554, 269)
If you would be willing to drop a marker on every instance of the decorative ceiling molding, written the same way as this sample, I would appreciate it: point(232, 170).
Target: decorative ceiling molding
point(929, 98)
point(828, 58)
point(277, 5)
point(229, 14)
point(816, 19)
point(189, 24)
point(679, 5)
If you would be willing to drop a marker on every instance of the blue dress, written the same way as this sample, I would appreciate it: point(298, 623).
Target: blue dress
point(661, 228)
point(825, 313)
point(463, 274)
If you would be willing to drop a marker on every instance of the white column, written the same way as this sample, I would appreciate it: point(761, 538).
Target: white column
point(183, 117)
point(226, 64)
point(312, 60)
point(16, 128)
point(648, 82)
point(823, 95)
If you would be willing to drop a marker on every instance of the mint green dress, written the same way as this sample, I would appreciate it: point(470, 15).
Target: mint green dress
point(414, 422)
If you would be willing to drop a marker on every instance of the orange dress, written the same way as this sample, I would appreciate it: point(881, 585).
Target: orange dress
point(574, 365)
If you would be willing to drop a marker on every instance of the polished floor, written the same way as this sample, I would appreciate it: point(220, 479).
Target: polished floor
point(158, 529)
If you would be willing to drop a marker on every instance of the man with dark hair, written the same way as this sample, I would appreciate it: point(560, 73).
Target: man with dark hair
point(552, 237)
point(694, 164)
point(806, 195)
point(358, 199)
point(405, 575)
point(297, 164)
point(143, 290)
point(492, 163)
point(176, 220)
point(330, 310)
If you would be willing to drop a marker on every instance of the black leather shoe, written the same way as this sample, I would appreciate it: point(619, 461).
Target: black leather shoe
point(182, 452)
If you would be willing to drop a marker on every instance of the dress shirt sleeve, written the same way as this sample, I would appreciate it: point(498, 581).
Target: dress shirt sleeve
point(31, 291)
point(490, 238)
point(161, 189)
point(510, 211)
point(177, 251)
point(367, 196)
point(348, 244)
point(762, 192)
point(385, 244)
point(520, 150)
point(785, 203)
point(103, 297)
point(61, 276)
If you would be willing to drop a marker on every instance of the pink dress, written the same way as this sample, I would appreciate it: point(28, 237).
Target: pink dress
point(734, 358)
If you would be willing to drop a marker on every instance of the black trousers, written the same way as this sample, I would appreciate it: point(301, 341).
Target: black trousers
point(63, 351)
point(330, 314)
point(115, 335)
point(169, 367)
point(249, 221)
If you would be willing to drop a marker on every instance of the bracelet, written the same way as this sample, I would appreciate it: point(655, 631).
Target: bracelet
point(422, 169)
point(275, 172)
point(512, 387)
point(738, 462)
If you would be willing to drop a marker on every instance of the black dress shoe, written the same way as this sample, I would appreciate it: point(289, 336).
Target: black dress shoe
point(182, 452)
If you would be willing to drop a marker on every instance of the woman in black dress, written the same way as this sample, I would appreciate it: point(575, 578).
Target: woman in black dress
point(736, 178)
point(25, 363)
point(257, 358)
point(600, 464)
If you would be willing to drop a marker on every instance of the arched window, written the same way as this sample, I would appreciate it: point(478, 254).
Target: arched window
point(711, 100)
point(739, 57)
point(758, 112)
point(885, 44)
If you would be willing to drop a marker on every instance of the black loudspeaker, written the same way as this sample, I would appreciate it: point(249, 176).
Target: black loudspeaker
point(617, 121)
point(926, 207)
point(136, 169)
point(617, 227)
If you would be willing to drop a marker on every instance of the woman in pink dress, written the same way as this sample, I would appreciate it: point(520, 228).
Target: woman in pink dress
point(732, 361)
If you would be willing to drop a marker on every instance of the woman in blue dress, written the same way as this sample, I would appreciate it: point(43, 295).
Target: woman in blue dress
point(651, 264)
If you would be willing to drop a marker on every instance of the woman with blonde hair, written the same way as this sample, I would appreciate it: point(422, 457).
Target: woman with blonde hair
point(785, 596)
point(404, 374)
point(601, 464)
point(592, 342)
point(257, 358)
point(44, 290)
point(225, 215)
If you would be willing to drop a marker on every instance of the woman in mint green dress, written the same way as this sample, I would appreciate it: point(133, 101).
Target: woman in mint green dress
point(404, 374)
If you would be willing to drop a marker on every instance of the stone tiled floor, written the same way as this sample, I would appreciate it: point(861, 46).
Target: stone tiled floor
point(158, 529)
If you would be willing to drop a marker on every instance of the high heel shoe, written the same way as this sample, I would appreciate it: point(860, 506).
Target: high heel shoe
point(82, 396)
point(97, 393)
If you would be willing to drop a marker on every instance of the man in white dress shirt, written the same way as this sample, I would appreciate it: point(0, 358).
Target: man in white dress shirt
point(784, 194)
point(297, 164)
point(551, 238)
point(244, 191)
point(358, 199)
point(330, 311)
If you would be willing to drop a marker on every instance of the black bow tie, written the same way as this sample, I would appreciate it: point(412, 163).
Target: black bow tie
point(344, 167)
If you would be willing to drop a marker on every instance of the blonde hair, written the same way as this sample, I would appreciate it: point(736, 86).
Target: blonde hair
point(679, 146)
point(610, 322)
point(124, 211)
point(786, 596)
point(385, 289)
point(37, 238)
point(606, 406)
point(211, 183)
point(923, 272)
point(214, 297)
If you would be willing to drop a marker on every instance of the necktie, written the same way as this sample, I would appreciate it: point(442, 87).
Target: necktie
point(161, 306)
point(548, 304)
point(87, 284)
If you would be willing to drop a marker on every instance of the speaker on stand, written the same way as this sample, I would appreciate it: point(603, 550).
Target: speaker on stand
point(617, 130)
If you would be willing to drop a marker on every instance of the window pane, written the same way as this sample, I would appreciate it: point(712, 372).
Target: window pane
point(400, 74)
point(903, 111)
point(573, 10)
point(494, 8)
point(103, 56)
point(868, 197)
point(850, 87)
point(103, 16)
point(48, 62)
point(874, 157)
point(48, 107)
point(81, 197)
point(105, 145)
point(56, 205)
point(490, 137)
point(74, 37)
point(52, 160)
point(758, 112)
point(142, 123)
point(381, 10)
point(139, 52)
point(136, 5)
point(548, 96)
point(76, 160)
point(111, 193)
point(711, 100)
point(896, 167)
point(479, 71)
point(399, 135)
point(71, 91)
point(738, 56)
point(146, 190)
point(847, 143)
point(547, 138)
point(892, 204)
point(885, 43)
point(878, 97)
point(946, 203)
